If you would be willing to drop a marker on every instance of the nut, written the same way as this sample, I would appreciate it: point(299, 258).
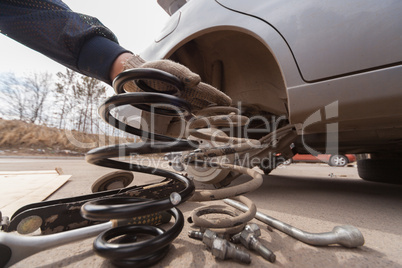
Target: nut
point(247, 238)
point(219, 248)
point(208, 237)
point(223, 250)
point(253, 227)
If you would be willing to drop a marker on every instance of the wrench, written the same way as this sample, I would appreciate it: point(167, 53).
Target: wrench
point(347, 235)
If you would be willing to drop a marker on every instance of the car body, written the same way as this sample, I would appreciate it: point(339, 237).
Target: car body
point(337, 160)
point(330, 67)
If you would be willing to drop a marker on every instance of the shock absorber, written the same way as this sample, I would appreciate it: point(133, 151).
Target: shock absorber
point(223, 117)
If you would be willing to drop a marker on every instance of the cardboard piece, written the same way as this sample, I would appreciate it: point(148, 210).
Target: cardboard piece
point(20, 188)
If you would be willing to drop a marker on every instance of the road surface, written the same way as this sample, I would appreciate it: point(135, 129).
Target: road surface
point(312, 197)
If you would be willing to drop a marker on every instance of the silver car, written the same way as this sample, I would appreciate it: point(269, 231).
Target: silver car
point(331, 68)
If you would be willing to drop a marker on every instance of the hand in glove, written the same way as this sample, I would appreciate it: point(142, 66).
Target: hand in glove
point(198, 94)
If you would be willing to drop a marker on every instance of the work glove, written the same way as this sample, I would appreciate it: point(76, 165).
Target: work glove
point(198, 94)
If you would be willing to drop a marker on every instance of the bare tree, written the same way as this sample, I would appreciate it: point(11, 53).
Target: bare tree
point(79, 96)
point(67, 95)
point(39, 86)
point(25, 98)
point(12, 97)
point(92, 90)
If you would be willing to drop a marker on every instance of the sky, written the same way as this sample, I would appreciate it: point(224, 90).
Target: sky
point(135, 23)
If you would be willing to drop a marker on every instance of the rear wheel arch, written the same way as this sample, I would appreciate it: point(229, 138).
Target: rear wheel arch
point(240, 65)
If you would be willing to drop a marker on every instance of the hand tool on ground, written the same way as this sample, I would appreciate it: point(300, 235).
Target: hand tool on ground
point(347, 235)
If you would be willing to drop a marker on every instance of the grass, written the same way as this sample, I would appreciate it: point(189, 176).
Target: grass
point(17, 137)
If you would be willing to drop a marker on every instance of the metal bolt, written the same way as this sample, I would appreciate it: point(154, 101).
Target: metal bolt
point(196, 235)
point(220, 247)
point(253, 227)
point(175, 198)
point(248, 240)
point(235, 238)
point(208, 237)
point(223, 250)
point(4, 222)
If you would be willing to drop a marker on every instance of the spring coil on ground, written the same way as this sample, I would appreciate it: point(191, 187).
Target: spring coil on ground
point(130, 252)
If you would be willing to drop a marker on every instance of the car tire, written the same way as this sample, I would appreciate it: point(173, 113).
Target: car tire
point(338, 160)
point(287, 162)
point(266, 166)
point(380, 170)
point(266, 171)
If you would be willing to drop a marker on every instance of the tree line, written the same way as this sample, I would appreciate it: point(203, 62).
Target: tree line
point(66, 100)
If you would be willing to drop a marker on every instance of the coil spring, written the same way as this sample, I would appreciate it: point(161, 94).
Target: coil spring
point(217, 117)
point(149, 252)
point(144, 253)
point(223, 117)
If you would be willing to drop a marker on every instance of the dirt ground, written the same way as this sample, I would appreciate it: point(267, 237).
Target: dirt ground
point(312, 197)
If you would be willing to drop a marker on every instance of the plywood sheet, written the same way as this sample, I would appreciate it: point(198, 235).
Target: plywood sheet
point(24, 187)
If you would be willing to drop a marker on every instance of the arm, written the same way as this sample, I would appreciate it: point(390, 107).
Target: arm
point(78, 41)
point(83, 44)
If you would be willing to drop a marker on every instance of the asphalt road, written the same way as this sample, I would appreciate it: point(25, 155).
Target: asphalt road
point(312, 197)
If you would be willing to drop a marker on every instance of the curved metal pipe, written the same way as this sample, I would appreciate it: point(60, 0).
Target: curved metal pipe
point(14, 248)
point(346, 235)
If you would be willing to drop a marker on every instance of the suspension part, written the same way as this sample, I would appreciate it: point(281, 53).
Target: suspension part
point(140, 253)
point(200, 129)
point(147, 252)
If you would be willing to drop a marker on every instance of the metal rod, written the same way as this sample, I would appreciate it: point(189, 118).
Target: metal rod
point(24, 246)
point(347, 235)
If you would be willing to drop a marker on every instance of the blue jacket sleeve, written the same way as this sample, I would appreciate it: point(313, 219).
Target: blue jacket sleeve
point(77, 41)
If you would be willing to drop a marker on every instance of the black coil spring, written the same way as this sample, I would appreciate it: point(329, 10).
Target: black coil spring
point(131, 252)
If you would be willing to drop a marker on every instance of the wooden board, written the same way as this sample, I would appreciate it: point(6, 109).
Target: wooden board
point(19, 188)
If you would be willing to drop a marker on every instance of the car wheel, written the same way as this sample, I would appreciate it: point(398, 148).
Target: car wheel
point(287, 162)
point(380, 170)
point(266, 171)
point(338, 160)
